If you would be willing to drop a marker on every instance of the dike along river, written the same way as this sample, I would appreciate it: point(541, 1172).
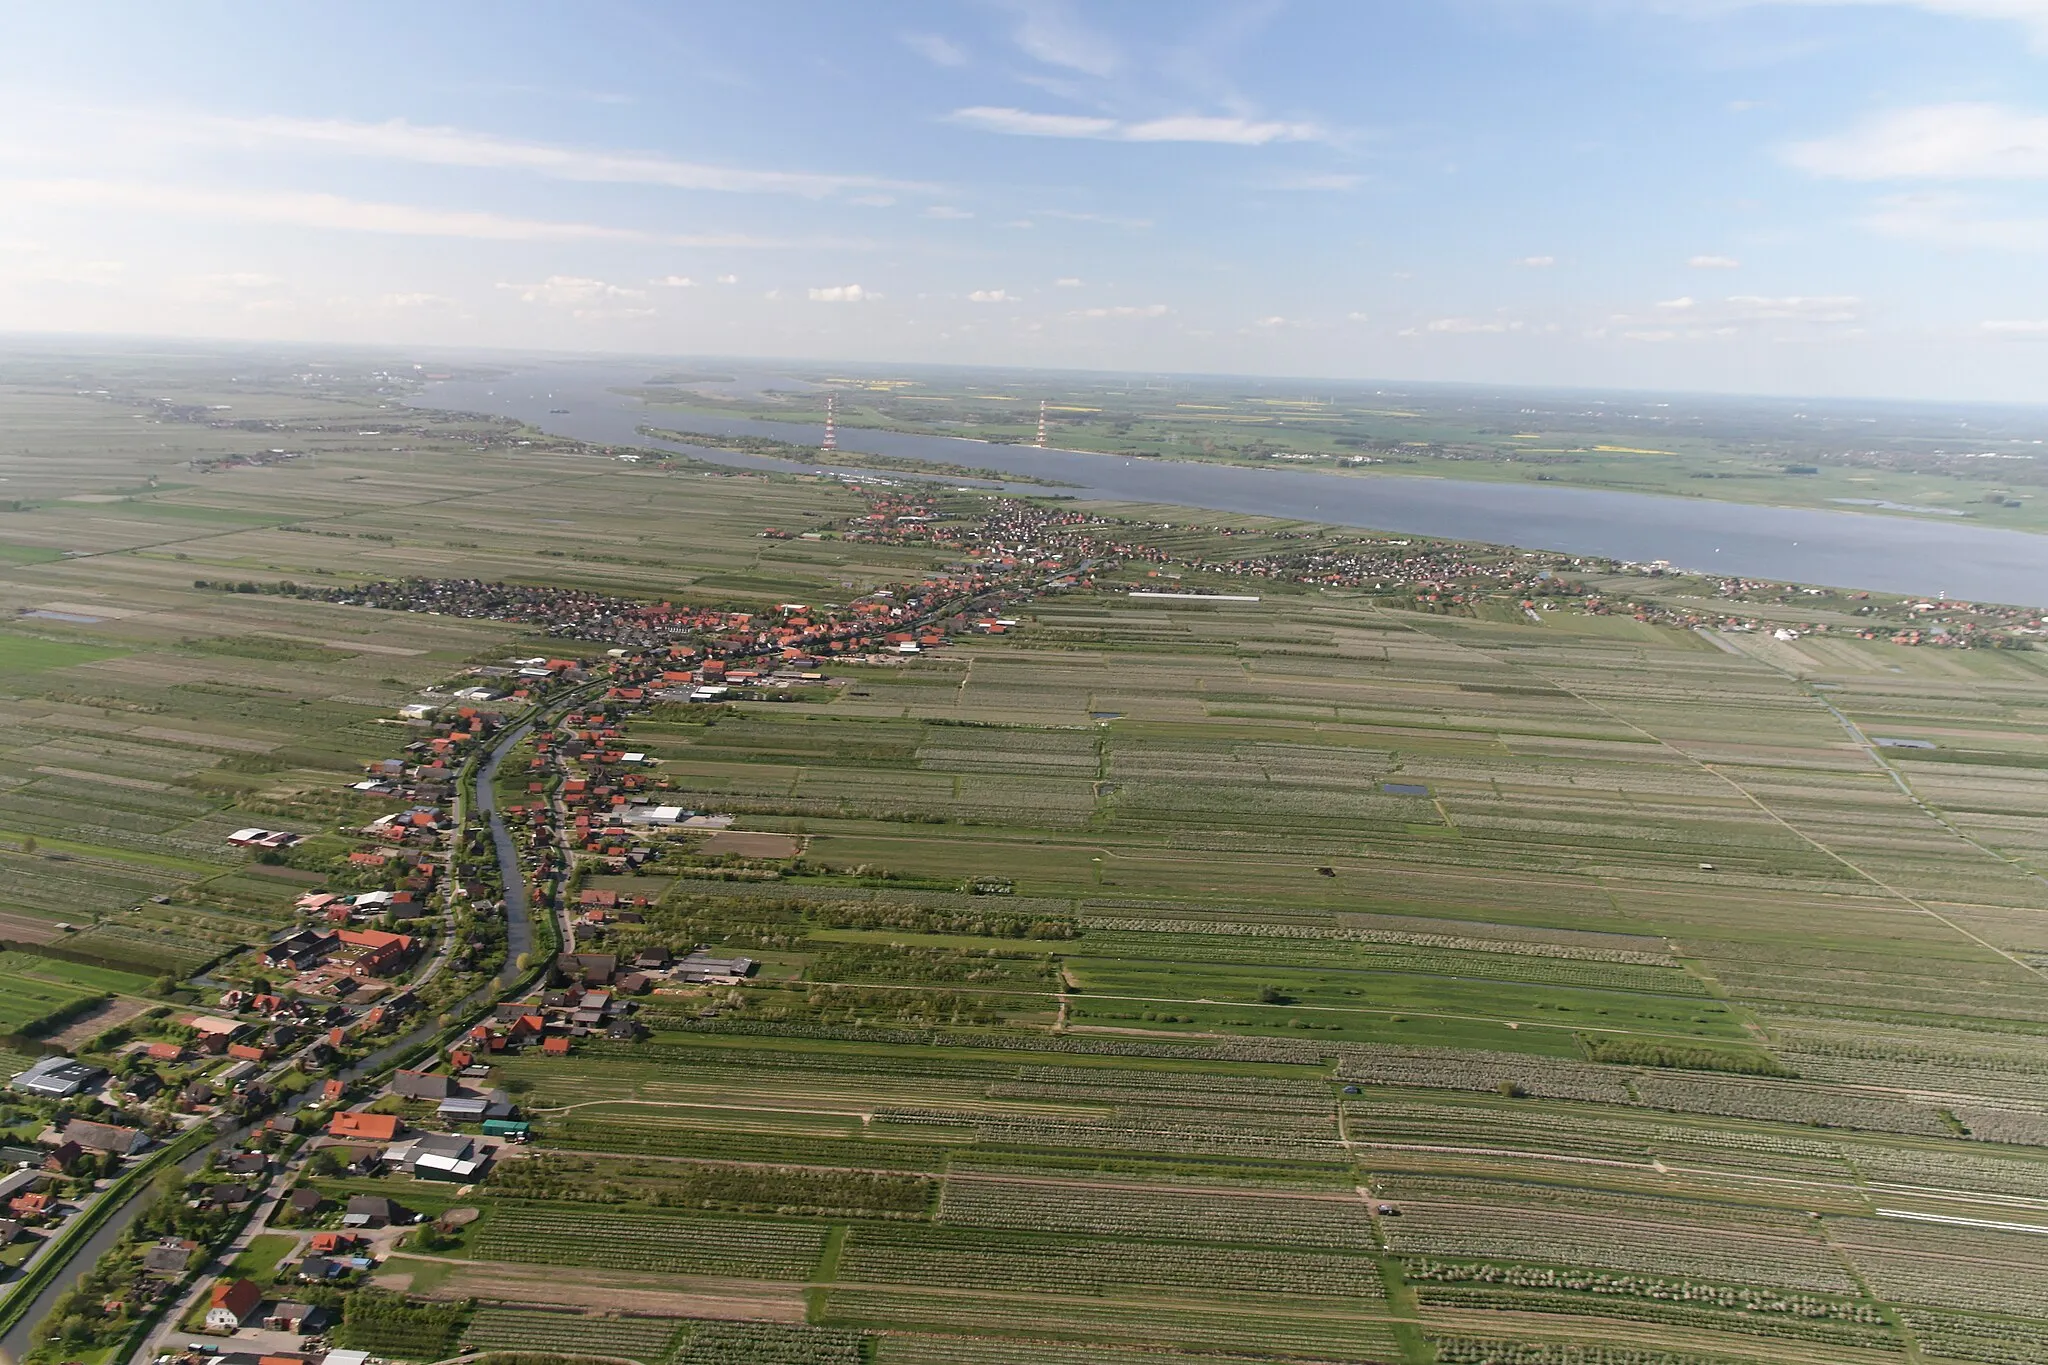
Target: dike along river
point(1843, 549)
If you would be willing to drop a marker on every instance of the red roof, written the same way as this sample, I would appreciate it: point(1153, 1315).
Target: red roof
point(239, 1297)
point(376, 1127)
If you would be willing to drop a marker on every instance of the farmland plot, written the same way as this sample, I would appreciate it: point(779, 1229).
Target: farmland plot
point(1311, 1335)
point(1312, 1221)
point(580, 1236)
point(944, 1258)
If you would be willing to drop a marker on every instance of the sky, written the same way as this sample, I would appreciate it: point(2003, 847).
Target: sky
point(1774, 196)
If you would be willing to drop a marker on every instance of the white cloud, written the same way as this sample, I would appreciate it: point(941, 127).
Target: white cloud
point(1240, 132)
point(938, 50)
point(676, 282)
point(993, 296)
point(1357, 317)
point(873, 201)
point(1789, 317)
point(2031, 13)
point(1538, 262)
point(1069, 215)
point(241, 279)
point(1933, 142)
point(1834, 308)
point(587, 300)
point(2017, 329)
point(398, 140)
point(1021, 123)
point(1467, 326)
point(1068, 282)
point(1236, 131)
point(1268, 323)
point(947, 211)
point(33, 262)
point(1336, 182)
point(842, 293)
point(1049, 31)
point(417, 301)
point(728, 279)
point(1713, 263)
point(1150, 310)
point(568, 291)
point(328, 212)
point(1946, 220)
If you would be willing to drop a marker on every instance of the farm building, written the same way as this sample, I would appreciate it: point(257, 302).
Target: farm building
point(263, 838)
point(356, 1124)
point(724, 971)
point(438, 1156)
point(58, 1078)
point(494, 1104)
point(170, 1256)
point(369, 1211)
point(105, 1137)
point(231, 1304)
point(422, 1085)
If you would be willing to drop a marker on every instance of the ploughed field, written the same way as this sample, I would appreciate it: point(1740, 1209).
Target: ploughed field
point(1309, 979)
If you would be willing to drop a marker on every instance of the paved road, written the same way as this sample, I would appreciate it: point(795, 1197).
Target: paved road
point(167, 1332)
point(519, 939)
point(21, 1338)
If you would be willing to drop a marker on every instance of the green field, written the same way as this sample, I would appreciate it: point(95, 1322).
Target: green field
point(1126, 963)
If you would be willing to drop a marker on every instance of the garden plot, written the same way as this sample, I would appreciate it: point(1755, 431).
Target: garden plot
point(520, 1329)
point(1787, 1102)
point(1934, 1266)
point(1320, 1336)
point(1150, 1213)
point(1457, 1069)
point(1937, 1170)
point(947, 1258)
point(1034, 752)
point(760, 1343)
point(1489, 1221)
point(898, 1348)
point(1980, 1340)
point(1369, 950)
point(580, 1236)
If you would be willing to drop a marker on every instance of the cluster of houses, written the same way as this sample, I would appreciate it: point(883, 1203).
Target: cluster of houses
point(337, 962)
point(32, 1181)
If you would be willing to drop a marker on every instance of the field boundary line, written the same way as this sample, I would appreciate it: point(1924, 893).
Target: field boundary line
point(1753, 799)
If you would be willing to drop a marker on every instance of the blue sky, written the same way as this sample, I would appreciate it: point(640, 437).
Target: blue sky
point(1804, 196)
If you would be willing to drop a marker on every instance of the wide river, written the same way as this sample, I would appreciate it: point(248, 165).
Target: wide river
point(1844, 549)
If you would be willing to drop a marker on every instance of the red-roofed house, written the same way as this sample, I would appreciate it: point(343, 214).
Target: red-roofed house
point(372, 1127)
point(232, 1303)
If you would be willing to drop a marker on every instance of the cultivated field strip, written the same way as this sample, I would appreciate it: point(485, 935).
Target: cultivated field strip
point(1335, 1222)
point(958, 1259)
point(579, 1236)
point(1761, 1253)
point(650, 1340)
point(1159, 1323)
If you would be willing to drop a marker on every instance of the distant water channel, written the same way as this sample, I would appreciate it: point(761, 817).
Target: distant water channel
point(1843, 549)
